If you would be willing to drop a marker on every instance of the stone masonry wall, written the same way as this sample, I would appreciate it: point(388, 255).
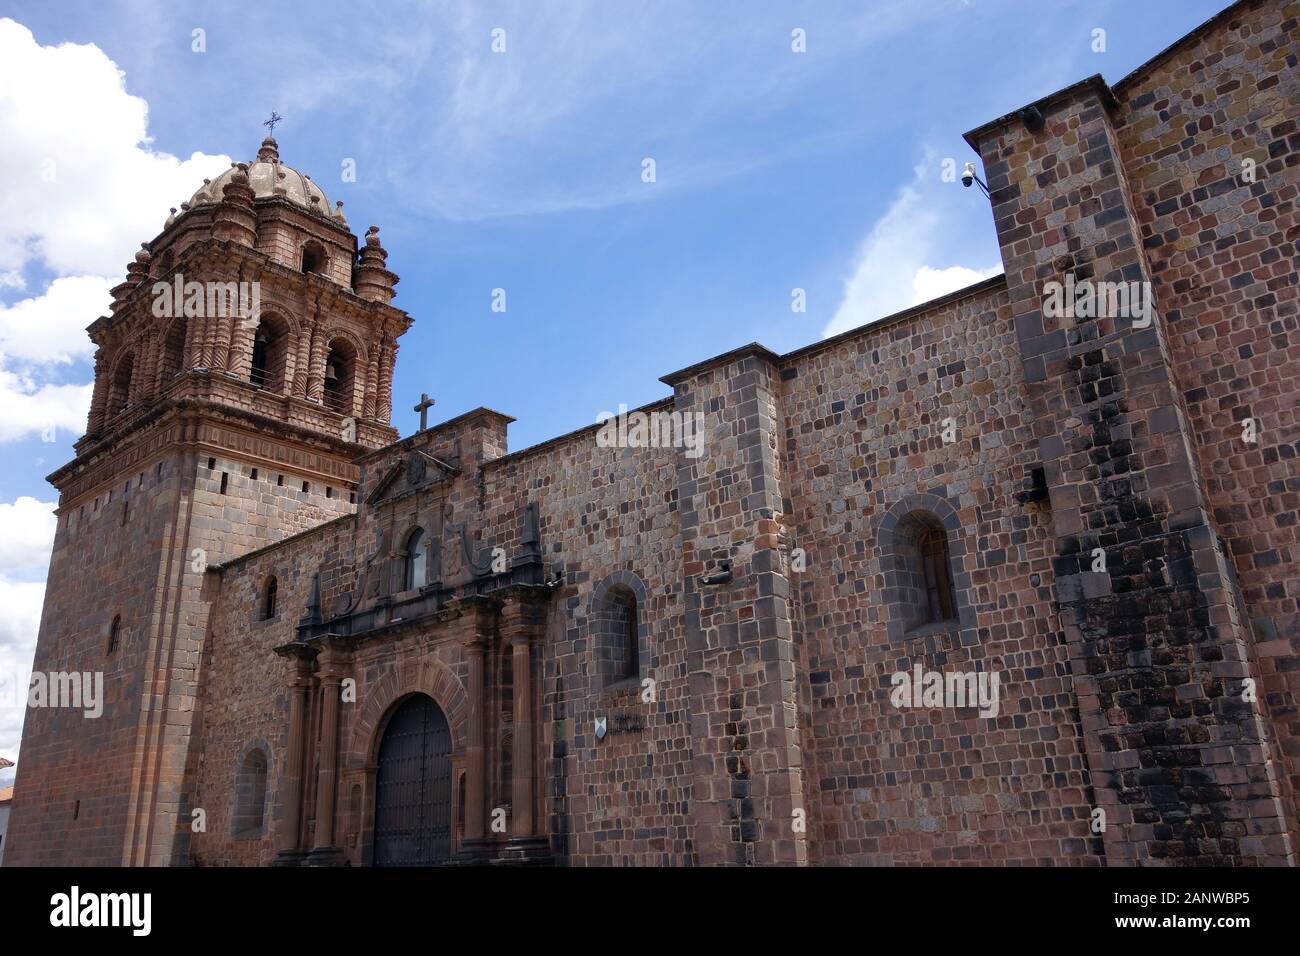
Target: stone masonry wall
point(1182, 762)
point(748, 758)
point(246, 687)
point(863, 439)
point(771, 573)
point(605, 512)
point(145, 568)
point(228, 513)
point(1221, 241)
point(107, 558)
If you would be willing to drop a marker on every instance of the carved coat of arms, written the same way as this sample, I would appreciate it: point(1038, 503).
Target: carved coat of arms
point(416, 467)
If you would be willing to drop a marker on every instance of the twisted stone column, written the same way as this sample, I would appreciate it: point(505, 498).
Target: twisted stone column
point(384, 387)
point(316, 368)
point(302, 359)
point(372, 380)
point(99, 397)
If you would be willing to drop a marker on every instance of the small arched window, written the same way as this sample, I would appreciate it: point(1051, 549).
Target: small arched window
point(115, 634)
point(416, 561)
point(250, 796)
point(621, 626)
point(269, 598)
point(923, 562)
point(935, 576)
point(631, 658)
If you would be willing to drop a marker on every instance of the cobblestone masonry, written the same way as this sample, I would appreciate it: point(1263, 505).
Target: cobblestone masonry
point(1221, 249)
point(775, 576)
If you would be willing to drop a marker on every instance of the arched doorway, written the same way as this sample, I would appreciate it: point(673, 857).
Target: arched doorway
point(413, 787)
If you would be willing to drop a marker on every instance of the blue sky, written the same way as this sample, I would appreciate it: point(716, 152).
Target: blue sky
point(520, 170)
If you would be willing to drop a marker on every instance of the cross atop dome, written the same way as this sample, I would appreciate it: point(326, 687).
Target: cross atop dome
point(270, 152)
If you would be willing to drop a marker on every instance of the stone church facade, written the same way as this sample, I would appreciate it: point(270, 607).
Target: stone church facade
point(325, 645)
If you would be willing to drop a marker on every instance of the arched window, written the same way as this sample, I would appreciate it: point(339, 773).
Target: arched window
point(173, 352)
point(270, 354)
point(924, 565)
point(416, 561)
point(119, 390)
point(269, 597)
point(314, 258)
point(115, 634)
point(935, 575)
point(618, 620)
point(626, 629)
point(340, 377)
point(250, 796)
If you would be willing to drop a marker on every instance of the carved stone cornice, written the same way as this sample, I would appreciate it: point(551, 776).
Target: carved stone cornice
point(205, 425)
point(297, 650)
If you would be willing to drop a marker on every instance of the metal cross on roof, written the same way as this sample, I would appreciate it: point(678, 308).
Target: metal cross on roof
point(423, 408)
point(270, 124)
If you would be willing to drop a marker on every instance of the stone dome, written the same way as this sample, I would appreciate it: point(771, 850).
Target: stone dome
point(269, 177)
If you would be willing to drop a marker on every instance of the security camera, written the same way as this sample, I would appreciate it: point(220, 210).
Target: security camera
point(968, 176)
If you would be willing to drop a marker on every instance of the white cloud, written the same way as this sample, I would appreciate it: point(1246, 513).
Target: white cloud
point(82, 186)
point(38, 332)
point(28, 407)
point(24, 549)
point(28, 535)
point(51, 327)
point(931, 283)
point(22, 601)
point(892, 270)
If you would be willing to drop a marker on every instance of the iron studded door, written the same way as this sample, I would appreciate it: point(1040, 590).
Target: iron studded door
point(413, 787)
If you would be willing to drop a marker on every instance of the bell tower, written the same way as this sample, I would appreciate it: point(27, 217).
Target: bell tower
point(246, 363)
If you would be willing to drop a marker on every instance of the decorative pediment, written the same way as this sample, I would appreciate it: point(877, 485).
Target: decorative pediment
point(386, 482)
point(418, 470)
